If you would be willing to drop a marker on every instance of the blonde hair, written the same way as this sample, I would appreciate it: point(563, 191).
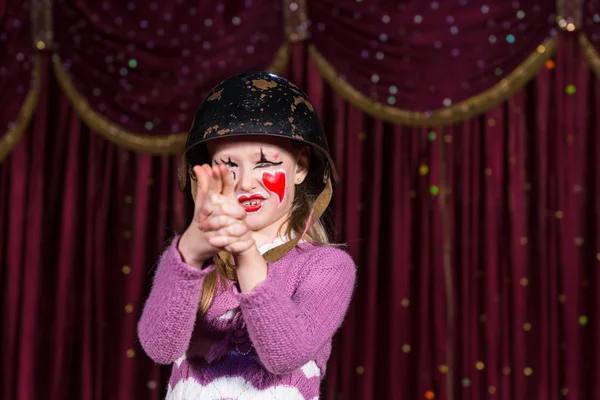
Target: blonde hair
point(302, 207)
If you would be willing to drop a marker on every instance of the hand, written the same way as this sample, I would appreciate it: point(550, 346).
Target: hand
point(193, 244)
point(221, 217)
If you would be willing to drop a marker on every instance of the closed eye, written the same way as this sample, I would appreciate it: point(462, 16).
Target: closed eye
point(263, 162)
point(229, 163)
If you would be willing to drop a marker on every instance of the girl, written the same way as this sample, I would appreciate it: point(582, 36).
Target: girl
point(245, 303)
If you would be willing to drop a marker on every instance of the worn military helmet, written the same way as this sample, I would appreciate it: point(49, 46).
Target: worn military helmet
point(258, 103)
point(263, 104)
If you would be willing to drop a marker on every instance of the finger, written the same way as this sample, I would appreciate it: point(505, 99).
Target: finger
point(236, 230)
point(207, 169)
point(208, 207)
point(221, 241)
point(231, 209)
point(201, 216)
point(205, 178)
point(228, 183)
point(217, 222)
point(216, 183)
point(239, 246)
point(201, 184)
point(211, 199)
point(203, 175)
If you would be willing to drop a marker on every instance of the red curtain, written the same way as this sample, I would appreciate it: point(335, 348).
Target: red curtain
point(82, 222)
point(591, 21)
point(478, 244)
point(477, 248)
point(16, 63)
point(461, 48)
point(147, 65)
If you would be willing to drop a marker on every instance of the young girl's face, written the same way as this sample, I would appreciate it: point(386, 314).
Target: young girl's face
point(265, 171)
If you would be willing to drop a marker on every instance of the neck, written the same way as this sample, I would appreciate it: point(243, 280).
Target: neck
point(271, 232)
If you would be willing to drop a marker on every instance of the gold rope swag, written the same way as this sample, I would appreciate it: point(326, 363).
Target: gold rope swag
point(9, 140)
point(42, 28)
point(445, 116)
point(153, 144)
point(591, 55)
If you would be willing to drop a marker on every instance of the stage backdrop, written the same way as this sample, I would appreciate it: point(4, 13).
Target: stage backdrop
point(465, 133)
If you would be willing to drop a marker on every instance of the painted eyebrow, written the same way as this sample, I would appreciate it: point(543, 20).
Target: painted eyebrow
point(263, 159)
point(262, 156)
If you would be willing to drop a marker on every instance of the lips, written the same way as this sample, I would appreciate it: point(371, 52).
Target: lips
point(252, 203)
point(252, 208)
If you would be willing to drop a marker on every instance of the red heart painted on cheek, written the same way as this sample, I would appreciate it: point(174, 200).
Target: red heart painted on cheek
point(275, 182)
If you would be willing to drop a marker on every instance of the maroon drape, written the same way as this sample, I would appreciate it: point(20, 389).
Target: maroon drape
point(146, 65)
point(478, 244)
point(16, 60)
point(82, 223)
point(508, 308)
point(591, 21)
point(514, 193)
point(427, 55)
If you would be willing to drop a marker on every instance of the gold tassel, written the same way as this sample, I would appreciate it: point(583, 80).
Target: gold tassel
point(42, 32)
point(295, 18)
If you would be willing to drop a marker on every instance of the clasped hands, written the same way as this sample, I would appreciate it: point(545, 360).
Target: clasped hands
point(219, 220)
point(218, 213)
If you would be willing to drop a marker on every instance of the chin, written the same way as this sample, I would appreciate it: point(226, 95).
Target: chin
point(263, 220)
point(255, 222)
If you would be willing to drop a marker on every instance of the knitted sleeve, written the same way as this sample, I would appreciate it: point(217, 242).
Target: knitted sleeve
point(287, 332)
point(169, 315)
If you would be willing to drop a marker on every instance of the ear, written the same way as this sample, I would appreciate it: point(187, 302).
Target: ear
point(302, 164)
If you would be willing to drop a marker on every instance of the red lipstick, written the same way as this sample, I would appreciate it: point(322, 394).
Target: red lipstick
point(255, 196)
point(251, 203)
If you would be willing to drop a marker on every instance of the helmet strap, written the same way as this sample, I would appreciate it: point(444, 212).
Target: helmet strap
point(182, 173)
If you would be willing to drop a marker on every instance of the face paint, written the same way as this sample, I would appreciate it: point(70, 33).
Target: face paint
point(276, 183)
point(252, 203)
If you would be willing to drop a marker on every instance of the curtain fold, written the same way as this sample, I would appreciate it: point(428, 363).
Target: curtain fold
point(82, 222)
point(368, 52)
point(19, 73)
point(134, 71)
point(519, 185)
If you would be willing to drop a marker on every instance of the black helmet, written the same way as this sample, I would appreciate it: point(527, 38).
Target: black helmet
point(258, 103)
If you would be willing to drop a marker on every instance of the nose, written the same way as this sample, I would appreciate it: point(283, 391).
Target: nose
point(247, 181)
